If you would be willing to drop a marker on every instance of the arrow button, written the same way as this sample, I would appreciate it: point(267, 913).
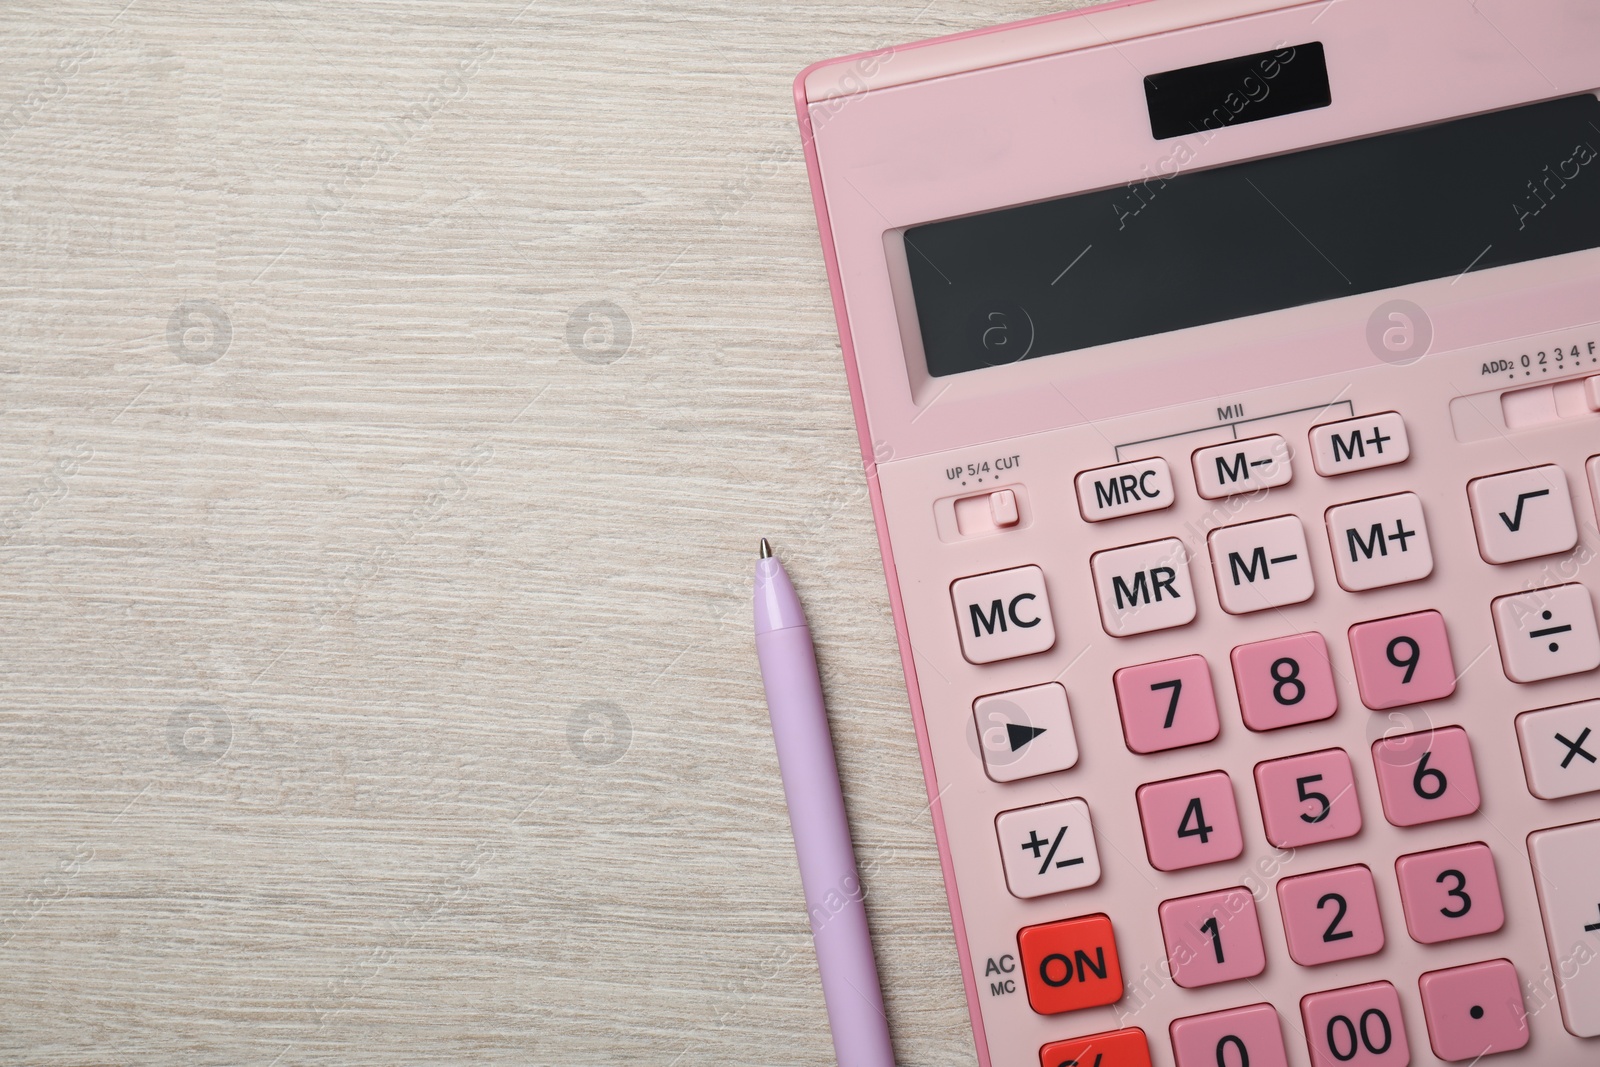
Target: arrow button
point(1021, 735)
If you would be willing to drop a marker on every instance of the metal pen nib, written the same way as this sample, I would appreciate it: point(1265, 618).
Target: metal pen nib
point(766, 549)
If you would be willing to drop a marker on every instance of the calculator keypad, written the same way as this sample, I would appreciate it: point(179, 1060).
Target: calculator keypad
point(1403, 660)
point(1070, 964)
point(1026, 732)
point(1359, 444)
point(1308, 799)
point(1260, 567)
point(1569, 897)
point(1242, 467)
point(1359, 1025)
point(1561, 749)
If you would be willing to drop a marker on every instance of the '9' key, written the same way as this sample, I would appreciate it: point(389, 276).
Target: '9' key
point(1403, 660)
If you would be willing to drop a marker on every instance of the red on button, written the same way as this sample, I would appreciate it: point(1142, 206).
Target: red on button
point(1118, 1048)
point(1070, 964)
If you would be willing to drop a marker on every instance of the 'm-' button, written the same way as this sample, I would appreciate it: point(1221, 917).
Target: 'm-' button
point(1242, 466)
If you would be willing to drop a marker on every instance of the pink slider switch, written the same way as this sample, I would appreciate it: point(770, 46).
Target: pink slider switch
point(1474, 1011)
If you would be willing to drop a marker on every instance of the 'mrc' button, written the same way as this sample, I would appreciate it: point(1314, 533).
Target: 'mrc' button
point(1003, 615)
point(1125, 489)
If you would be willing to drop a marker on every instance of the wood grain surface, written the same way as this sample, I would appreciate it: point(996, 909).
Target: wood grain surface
point(393, 395)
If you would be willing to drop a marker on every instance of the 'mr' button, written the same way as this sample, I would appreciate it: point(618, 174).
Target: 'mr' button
point(1003, 615)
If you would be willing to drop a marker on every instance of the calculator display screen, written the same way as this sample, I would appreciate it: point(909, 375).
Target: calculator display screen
point(1185, 249)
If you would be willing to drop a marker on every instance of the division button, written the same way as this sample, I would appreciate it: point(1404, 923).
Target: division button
point(1561, 749)
point(1003, 615)
point(1025, 732)
point(1242, 467)
point(1547, 633)
point(1125, 489)
point(1359, 444)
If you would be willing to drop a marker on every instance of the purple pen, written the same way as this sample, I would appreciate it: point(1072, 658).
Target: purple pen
point(816, 816)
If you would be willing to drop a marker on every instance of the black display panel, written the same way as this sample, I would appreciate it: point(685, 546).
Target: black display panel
point(1168, 253)
point(1247, 89)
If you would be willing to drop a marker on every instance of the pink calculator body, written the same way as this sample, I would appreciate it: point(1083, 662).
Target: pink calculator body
point(1228, 381)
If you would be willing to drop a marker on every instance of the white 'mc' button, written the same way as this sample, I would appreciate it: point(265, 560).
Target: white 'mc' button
point(1379, 542)
point(1143, 587)
point(1359, 444)
point(1547, 633)
point(1125, 489)
point(1048, 849)
point(1568, 882)
point(1242, 466)
point(1523, 514)
point(1261, 565)
point(1561, 750)
point(1003, 615)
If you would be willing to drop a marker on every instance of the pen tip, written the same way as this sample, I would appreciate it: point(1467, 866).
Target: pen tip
point(766, 549)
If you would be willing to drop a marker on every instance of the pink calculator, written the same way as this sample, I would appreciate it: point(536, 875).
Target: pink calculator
point(1228, 381)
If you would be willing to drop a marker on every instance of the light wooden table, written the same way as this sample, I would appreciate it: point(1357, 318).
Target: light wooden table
point(393, 396)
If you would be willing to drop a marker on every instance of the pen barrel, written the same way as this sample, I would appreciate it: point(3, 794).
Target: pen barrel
point(822, 845)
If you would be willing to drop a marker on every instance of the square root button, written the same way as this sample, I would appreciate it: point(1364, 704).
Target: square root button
point(1003, 615)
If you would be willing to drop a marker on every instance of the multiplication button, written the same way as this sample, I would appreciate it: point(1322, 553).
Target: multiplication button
point(1561, 749)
